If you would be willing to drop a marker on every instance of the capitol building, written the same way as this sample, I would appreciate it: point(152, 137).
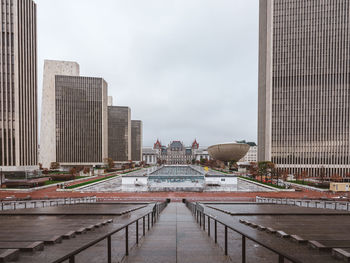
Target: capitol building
point(175, 153)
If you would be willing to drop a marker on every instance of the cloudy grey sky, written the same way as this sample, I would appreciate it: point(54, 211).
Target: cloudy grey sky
point(188, 69)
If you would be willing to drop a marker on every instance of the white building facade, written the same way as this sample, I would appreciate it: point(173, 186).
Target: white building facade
point(150, 155)
point(251, 156)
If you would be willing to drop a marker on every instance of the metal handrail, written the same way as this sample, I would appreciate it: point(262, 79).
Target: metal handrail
point(154, 214)
point(336, 204)
point(199, 214)
point(57, 201)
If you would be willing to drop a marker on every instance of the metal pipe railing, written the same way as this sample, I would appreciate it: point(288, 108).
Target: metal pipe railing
point(13, 205)
point(157, 209)
point(200, 215)
point(335, 205)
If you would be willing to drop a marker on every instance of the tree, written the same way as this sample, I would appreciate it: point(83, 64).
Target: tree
point(233, 164)
point(336, 178)
point(109, 162)
point(303, 175)
point(54, 165)
point(253, 170)
point(322, 174)
point(73, 171)
point(265, 168)
point(284, 174)
point(275, 173)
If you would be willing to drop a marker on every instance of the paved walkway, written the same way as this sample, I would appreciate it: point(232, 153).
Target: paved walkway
point(177, 238)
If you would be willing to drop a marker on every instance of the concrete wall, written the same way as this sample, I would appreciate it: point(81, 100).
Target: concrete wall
point(222, 180)
point(339, 187)
point(130, 180)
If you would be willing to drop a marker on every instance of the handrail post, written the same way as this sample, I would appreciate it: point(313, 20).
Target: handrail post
point(143, 225)
point(127, 240)
point(152, 218)
point(109, 244)
point(243, 249)
point(72, 259)
point(208, 226)
point(225, 240)
point(216, 231)
point(203, 221)
point(148, 221)
point(137, 231)
point(200, 218)
point(280, 259)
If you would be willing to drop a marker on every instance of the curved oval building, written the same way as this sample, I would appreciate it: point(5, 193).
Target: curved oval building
point(228, 151)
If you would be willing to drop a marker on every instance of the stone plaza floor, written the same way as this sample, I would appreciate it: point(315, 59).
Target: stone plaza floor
point(307, 234)
point(46, 234)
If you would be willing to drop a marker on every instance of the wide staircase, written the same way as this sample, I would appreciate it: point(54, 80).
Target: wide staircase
point(177, 237)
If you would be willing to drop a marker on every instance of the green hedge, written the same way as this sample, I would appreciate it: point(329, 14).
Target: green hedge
point(220, 171)
point(53, 182)
point(310, 184)
point(131, 171)
point(90, 182)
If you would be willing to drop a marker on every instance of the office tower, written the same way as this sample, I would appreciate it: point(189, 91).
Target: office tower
point(119, 133)
point(304, 77)
point(18, 77)
point(136, 140)
point(110, 101)
point(74, 120)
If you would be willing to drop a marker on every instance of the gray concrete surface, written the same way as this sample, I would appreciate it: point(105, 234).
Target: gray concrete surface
point(177, 238)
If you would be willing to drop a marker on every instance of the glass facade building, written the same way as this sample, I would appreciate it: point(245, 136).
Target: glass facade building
point(304, 85)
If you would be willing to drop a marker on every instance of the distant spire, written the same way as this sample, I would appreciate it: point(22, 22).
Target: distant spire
point(157, 145)
point(195, 144)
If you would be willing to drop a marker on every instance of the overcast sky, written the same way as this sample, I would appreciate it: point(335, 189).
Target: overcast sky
point(186, 68)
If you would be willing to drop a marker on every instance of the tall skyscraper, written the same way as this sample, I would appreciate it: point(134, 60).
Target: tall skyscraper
point(119, 133)
point(74, 124)
point(18, 78)
point(48, 108)
point(136, 140)
point(304, 85)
